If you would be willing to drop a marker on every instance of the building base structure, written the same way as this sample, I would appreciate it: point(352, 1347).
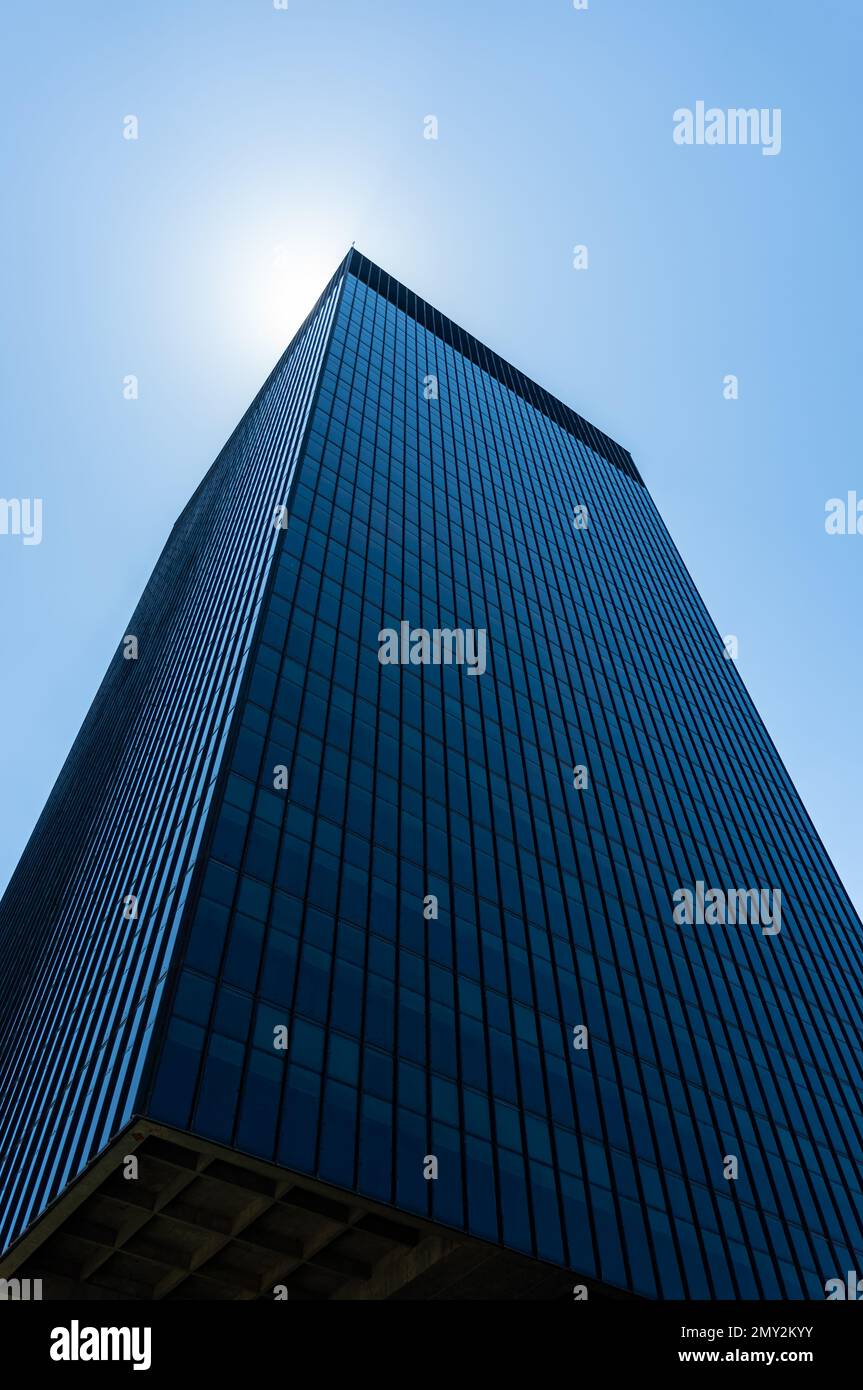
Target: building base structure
point(164, 1215)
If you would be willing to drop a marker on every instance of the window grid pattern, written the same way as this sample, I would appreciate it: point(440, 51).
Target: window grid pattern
point(82, 982)
point(453, 1037)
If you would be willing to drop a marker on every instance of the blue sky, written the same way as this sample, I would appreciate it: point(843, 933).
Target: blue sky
point(269, 140)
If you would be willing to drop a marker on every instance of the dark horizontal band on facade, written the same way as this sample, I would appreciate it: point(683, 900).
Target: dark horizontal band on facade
point(475, 351)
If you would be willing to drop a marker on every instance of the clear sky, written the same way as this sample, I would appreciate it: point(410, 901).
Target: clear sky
point(269, 140)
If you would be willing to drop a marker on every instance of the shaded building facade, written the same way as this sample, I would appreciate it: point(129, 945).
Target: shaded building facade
point(406, 928)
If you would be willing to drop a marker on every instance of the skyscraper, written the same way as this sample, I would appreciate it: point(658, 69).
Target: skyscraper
point(423, 909)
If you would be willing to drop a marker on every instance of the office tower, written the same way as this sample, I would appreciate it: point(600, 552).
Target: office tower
point(423, 903)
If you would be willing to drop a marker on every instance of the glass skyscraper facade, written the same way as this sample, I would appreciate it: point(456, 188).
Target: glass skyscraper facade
point(409, 927)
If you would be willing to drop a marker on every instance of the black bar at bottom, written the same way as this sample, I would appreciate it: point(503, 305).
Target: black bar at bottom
point(234, 1340)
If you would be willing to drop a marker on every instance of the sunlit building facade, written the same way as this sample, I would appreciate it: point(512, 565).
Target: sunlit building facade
point(364, 872)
